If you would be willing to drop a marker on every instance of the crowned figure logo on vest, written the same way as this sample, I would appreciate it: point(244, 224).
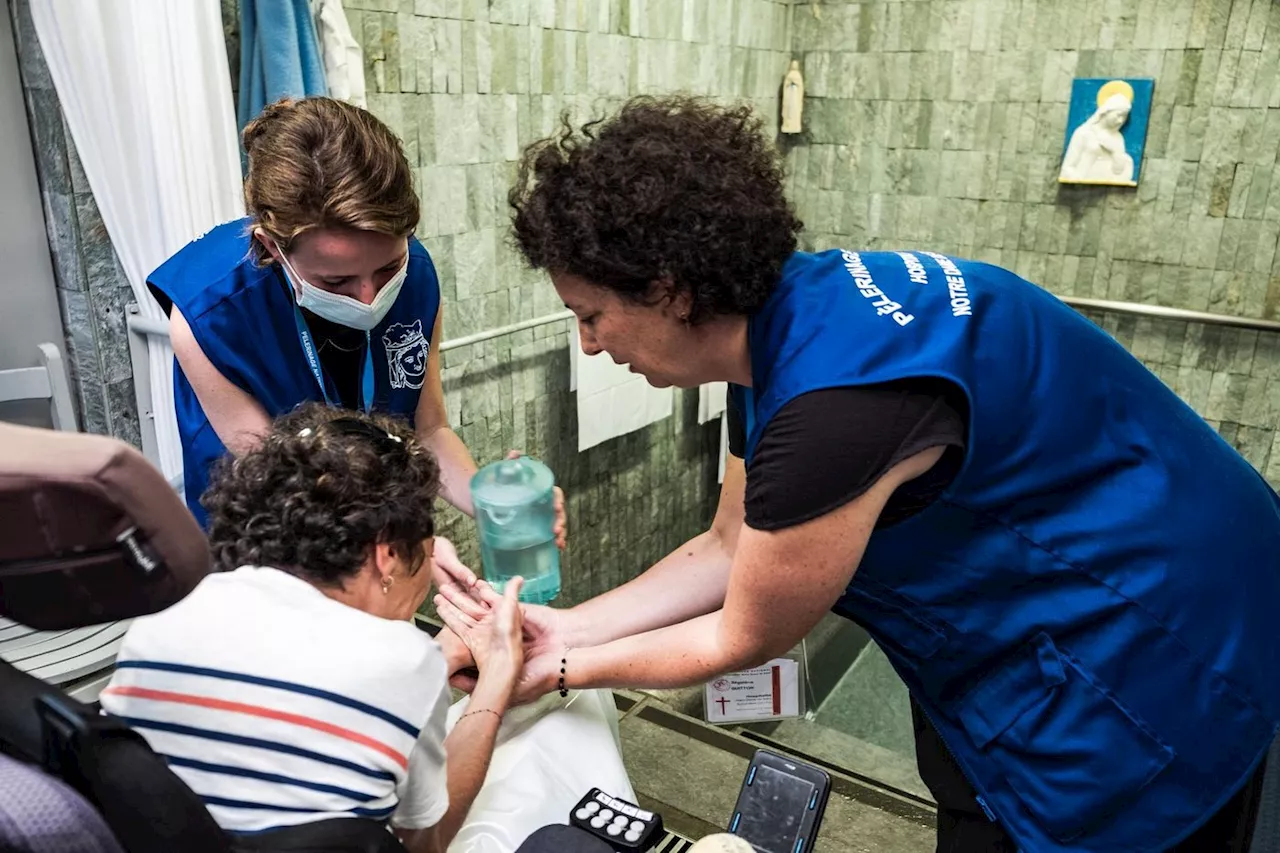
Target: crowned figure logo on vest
point(407, 350)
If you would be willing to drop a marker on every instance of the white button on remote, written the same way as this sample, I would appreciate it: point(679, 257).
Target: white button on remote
point(617, 818)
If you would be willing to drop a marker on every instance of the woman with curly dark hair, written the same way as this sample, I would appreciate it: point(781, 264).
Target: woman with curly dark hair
point(1071, 571)
point(292, 687)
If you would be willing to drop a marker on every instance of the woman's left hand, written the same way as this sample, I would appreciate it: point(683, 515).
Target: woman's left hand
point(561, 527)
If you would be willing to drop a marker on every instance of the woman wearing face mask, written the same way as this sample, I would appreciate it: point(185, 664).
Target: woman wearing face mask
point(320, 294)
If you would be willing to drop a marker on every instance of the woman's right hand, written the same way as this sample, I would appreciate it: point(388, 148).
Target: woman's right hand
point(495, 639)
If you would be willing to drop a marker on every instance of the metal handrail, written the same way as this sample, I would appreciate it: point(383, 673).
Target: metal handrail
point(1163, 313)
point(149, 326)
point(160, 328)
point(156, 328)
point(509, 329)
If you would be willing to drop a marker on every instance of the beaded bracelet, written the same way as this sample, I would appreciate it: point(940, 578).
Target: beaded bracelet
point(480, 711)
point(564, 662)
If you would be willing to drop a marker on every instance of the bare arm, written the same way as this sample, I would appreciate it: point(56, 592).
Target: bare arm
point(456, 465)
point(237, 418)
point(781, 584)
point(699, 569)
point(496, 648)
point(468, 748)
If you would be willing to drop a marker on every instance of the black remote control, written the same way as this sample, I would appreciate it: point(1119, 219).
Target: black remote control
point(622, 825)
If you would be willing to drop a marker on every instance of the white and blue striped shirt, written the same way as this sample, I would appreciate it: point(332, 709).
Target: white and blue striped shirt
point(278, 705)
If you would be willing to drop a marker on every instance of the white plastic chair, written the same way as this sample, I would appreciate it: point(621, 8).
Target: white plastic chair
point(46, 382)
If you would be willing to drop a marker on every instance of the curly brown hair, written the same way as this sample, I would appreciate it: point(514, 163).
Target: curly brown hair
point(321, 490)
point(324, 163)
point(675, 189)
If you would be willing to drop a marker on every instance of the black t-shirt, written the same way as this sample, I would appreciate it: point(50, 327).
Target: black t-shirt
point(827, 447)
point(341, 350)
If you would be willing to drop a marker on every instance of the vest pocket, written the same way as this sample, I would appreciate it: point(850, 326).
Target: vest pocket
point(1065, 744)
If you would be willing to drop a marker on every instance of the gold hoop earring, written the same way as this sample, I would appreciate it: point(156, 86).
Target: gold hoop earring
point(386, 584)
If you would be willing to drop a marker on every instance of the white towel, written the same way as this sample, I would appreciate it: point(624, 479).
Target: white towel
point(711, 400)
point(343, 58)
point(612, 401)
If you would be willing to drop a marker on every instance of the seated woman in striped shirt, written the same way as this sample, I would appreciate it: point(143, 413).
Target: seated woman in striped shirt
point(292, 687)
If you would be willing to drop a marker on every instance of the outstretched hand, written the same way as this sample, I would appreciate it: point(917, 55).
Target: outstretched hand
point(544, 642)
point(496, 642)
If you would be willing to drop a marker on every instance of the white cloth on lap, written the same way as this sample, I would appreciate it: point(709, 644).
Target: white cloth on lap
point(548, 756)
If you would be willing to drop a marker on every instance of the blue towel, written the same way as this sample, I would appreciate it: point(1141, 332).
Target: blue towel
point(279, 54)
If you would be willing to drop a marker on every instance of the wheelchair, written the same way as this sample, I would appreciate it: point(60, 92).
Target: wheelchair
point(91, 532)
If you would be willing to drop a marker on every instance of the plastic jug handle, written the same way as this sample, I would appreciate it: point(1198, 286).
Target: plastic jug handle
point(501, 517)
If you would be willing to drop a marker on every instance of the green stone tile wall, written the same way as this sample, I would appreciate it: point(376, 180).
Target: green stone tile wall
point(466, 83)
point(940, 124)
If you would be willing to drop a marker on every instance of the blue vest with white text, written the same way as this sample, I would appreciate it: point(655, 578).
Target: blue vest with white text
point(242, 315)
point(1088, 614)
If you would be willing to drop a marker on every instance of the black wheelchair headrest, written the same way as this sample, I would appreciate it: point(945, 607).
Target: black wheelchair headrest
point(90, 532)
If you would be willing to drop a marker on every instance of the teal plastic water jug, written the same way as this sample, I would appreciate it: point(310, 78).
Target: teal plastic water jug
point(515, 511)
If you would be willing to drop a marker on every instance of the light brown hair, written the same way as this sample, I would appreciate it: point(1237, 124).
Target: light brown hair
point(324, 163)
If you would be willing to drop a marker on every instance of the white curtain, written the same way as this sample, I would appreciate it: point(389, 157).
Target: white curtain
point(146, 91)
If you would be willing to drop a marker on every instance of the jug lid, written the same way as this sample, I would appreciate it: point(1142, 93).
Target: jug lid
point(511, 482)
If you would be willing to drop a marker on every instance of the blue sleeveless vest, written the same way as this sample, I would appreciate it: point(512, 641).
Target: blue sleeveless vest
point(1089, 614)
point(242, 315)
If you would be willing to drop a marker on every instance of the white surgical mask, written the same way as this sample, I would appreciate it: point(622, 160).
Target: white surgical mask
point(344, 310)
